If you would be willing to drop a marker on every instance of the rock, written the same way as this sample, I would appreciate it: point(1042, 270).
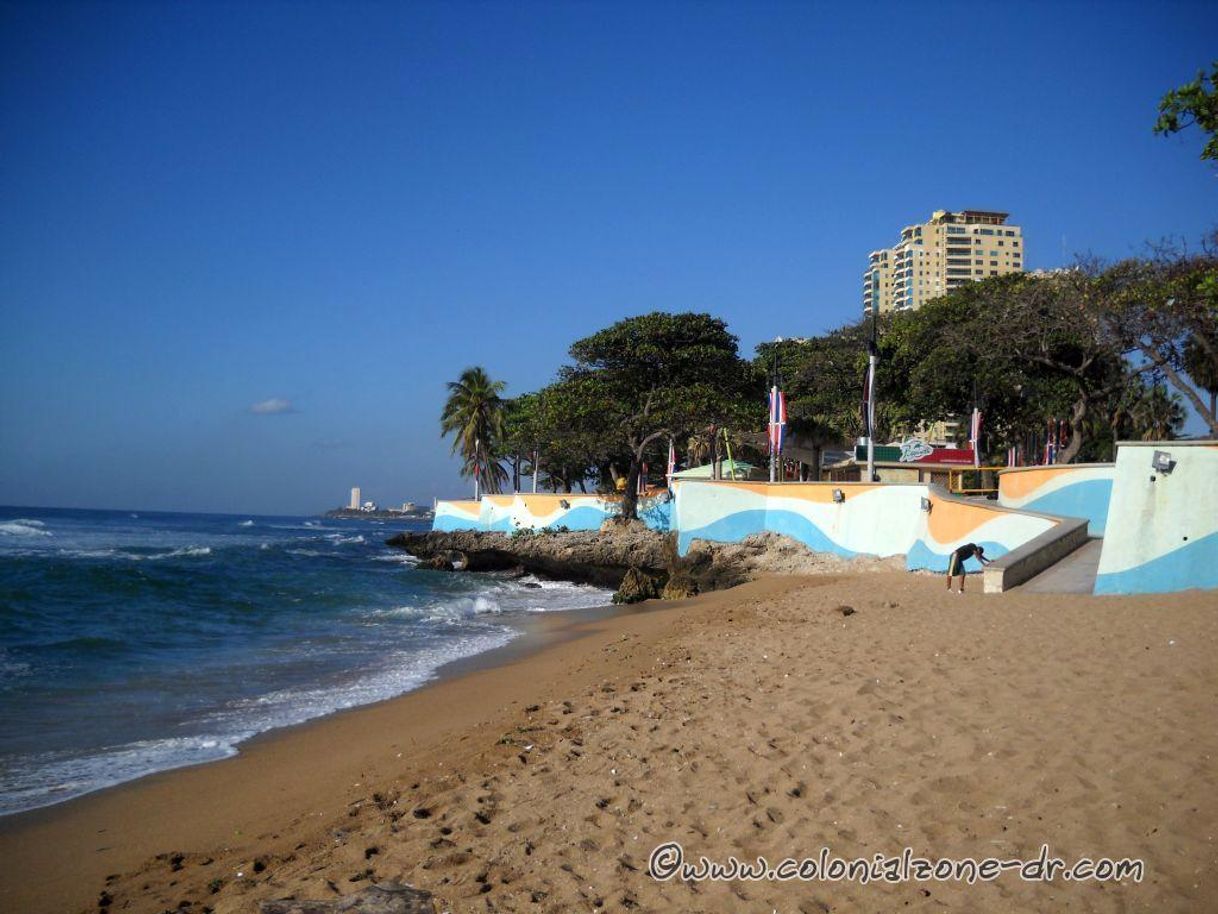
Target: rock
point(587, 557)
point(383, 898)
point(846, 610)
point(636, 586)
point(437, 563)
point(680, 586)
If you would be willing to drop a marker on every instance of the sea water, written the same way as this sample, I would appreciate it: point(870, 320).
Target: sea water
point(134, 642)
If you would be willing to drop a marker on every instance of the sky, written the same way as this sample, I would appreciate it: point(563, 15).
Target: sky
point(243, 245)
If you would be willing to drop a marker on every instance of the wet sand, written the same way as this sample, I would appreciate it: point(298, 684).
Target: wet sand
point(760, 720)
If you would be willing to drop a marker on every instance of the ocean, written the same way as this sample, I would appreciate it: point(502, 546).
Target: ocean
point(135, 642)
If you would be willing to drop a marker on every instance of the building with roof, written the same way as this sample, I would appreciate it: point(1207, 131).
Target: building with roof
point(939, 255)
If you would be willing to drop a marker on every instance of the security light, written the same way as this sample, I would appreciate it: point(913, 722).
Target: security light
point(839, 496)
point(926, 504)
point(1162, 462)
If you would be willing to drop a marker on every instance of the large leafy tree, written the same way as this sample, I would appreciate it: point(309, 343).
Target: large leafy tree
point(1193, 103)
point(473, 415)
point(950, 355)
point(1164, 311)
point(653, 377)
point(823, 380)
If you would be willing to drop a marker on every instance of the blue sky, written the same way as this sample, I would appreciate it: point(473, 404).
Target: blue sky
point(329, 210)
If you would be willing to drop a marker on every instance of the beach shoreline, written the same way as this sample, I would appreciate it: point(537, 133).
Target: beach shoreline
point(760, 720)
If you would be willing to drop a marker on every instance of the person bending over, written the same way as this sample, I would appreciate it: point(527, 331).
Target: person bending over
point(955, 565)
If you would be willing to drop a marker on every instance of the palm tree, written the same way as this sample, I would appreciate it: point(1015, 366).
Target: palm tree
point(1157, 413)
point(473, 414)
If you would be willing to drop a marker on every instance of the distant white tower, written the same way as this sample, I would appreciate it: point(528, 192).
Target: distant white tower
point(355, 502)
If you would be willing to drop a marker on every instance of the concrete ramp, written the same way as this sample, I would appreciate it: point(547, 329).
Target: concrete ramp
point(1073, 574)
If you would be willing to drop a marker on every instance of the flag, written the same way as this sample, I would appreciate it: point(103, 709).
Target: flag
point(672, 460)
point(778, 419)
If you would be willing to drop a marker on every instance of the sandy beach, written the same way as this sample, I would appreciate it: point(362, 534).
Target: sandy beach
point(763, 720)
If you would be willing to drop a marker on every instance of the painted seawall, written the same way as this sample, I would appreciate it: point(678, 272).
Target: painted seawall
point(1162, 530)
point(870, 519)
point(508, 513)
point(456, 515)
point(1070, 490)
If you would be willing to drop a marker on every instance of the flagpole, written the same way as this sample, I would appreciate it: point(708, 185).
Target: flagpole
point(872, 358)
point(534, 472)
point(477, 480)
point(773, 409)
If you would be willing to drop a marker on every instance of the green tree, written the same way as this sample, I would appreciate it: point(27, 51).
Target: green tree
point(1193, 103)
point(823, 380)
point(473, 415)
point(648, 378)
point(940, 361)
point(1164, 311)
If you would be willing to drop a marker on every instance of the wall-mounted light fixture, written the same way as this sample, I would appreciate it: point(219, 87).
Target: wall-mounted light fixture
point(839, 496)
point(1162, 462)
point(564, 504)
point(926, 505)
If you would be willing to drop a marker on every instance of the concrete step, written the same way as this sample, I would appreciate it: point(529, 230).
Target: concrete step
point(1073, 574)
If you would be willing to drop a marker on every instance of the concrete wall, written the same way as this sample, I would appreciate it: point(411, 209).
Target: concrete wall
point(1069, 490)
point(521, 511)
point(872, 519)
point(1162, 531)
point(456, 515)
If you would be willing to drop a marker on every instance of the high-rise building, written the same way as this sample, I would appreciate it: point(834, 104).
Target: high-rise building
point(355, 502)
point(937, 256)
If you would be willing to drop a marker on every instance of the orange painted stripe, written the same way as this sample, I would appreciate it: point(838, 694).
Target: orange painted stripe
point(1019, 483)
point(950, 520)
point(545, 504)
point(817, 492)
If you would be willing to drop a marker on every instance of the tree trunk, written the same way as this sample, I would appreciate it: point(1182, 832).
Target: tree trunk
point(1077, 415)
point(630, 498)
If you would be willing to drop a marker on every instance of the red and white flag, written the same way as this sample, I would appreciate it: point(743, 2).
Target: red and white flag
point(778, 419)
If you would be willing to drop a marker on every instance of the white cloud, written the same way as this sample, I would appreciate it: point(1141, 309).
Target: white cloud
point(272, 407)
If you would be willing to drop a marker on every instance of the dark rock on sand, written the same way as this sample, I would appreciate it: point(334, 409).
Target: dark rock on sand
point(637, 586)
point(680, 586)
point(385, 898)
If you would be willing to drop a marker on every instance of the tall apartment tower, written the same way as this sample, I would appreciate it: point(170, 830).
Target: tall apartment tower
point(937, 256)
point(355, 502)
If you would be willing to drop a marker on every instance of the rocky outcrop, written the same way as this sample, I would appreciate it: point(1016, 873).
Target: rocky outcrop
point(629, 558)
point(589, 557)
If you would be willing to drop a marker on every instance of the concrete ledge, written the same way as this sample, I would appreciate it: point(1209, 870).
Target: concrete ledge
point(1036, 555)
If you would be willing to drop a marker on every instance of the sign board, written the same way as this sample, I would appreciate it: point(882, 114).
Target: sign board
point(916, 451)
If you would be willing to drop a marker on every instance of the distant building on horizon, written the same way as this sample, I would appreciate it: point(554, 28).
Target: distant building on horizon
point(355, 504)
point(942, 254)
